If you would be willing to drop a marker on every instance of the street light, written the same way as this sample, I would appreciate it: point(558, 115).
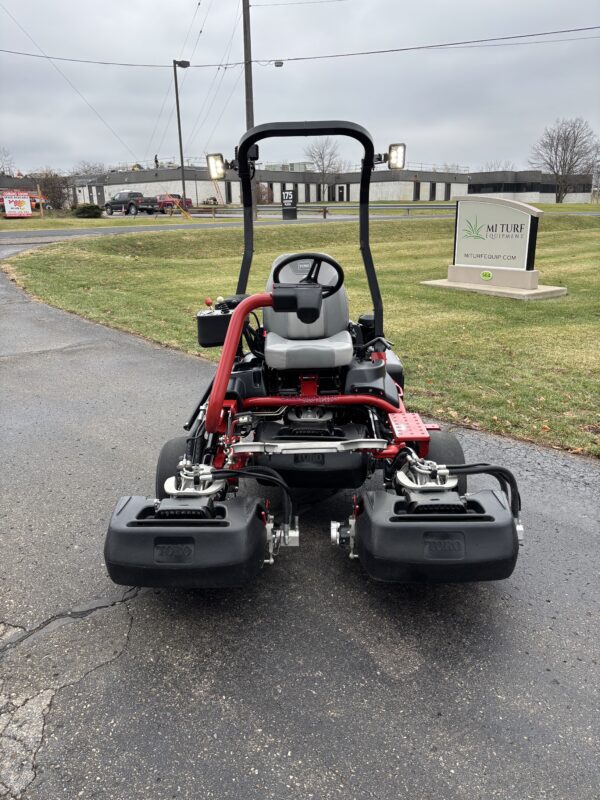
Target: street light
point(181, 65)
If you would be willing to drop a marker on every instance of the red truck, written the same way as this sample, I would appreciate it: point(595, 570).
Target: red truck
point(166, 202)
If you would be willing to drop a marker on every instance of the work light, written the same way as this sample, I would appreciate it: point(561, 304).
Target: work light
point(216, 166)
point(396, 156)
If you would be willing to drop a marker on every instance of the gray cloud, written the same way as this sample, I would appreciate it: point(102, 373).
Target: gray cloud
point(467, 106)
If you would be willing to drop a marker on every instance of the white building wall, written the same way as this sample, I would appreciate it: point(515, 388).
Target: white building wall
point(575, 197)
point(402, 191)
point(458, 190)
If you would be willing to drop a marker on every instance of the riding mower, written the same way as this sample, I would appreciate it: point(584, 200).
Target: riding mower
point(307, 398)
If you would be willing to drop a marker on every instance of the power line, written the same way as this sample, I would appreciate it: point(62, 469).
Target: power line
point(298, 3)
point(259, 61)
point(71, 84)
point(170, 83)
point(197, 126)
point(187, 35)
point(233, 88)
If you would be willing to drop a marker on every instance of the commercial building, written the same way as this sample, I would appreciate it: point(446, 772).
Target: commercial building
point(529, 186)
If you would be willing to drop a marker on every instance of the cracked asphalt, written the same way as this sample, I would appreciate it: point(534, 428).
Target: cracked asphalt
point(313, 682)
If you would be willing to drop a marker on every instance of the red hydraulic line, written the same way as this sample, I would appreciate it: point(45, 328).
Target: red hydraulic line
point(323, 400)
point(230, 346)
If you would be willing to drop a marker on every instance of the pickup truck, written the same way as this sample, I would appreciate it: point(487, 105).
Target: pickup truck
point(169, 201)
point(131, 203)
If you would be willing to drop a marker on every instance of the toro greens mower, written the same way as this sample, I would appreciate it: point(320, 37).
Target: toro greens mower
point(304, 397)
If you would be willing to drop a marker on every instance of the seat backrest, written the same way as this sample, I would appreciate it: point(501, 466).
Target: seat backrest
point(334, 312)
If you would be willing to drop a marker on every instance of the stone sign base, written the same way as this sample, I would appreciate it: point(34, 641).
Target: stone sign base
point(539, 293)
point(488, 276)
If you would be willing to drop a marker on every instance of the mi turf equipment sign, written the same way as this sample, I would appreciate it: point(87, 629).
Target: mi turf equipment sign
point(495, 233)
point(494, 250)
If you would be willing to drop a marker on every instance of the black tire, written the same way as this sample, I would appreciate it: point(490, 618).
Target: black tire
point(132, 209)
point(108, 210)
point(169, 458)
point(148, 211)
point(444, 448)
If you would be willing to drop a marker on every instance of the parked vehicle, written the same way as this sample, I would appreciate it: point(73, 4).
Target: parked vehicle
point(167, 202)
point(131, 203)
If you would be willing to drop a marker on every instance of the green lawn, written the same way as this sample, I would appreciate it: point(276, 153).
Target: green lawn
point(524, 369)
point(59, 222)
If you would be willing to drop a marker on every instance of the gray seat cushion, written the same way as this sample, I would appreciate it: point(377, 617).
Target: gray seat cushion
point(331, 351)
point(291, 344)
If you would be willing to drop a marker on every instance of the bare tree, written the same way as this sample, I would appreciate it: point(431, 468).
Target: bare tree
point(499, 166)
point(89, 168)
point(325, 155)
point(7, 165)
point(264, 194)
point(54, 187)
point(565, 149)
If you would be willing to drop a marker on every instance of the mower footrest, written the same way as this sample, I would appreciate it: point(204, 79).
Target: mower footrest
point(145, 549)
point(479, 545)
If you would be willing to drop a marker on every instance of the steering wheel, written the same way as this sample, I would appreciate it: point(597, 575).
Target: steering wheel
point(313, 273)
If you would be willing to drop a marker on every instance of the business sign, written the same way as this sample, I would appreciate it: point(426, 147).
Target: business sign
point(289, 202)
point(495, 234)
point(289, 198)
point(16, 204)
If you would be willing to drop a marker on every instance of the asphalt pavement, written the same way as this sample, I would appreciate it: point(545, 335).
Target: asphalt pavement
point(313, 682)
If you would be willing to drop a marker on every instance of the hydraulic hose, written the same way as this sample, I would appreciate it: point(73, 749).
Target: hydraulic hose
point(503, 476)
point(266, 474)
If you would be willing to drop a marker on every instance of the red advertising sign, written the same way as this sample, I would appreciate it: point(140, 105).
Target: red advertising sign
point(16, 204)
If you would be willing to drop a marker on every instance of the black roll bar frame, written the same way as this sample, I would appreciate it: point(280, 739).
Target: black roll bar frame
point(325, 128)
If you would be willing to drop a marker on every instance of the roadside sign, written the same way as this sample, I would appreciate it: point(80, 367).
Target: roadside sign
point(289, 203)
point(495, 233)
point(16, 204)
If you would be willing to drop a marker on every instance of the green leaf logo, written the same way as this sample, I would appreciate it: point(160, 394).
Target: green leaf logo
point(486, 275)
point(473, 230)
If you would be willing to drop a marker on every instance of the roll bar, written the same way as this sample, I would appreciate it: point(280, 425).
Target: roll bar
point(326, 128)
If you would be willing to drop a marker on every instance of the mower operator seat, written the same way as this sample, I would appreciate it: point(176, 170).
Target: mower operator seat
point(291, 344)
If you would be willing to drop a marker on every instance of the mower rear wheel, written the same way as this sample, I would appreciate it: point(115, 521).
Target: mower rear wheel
point(169, 458)
point(444, 448)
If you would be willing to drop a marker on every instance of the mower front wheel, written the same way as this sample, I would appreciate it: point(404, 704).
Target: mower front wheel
point(444, 448)
point(169, 458)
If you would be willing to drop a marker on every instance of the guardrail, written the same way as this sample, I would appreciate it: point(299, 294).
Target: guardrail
point(323, 210)
point(326, 209)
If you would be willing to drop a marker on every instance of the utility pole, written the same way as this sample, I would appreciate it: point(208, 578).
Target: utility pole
point(248, 82)
point(183, 65)
point(248, 65)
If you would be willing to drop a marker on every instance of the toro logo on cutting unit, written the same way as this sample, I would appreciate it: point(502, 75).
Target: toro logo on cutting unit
point(173, 553)
point(444, 546)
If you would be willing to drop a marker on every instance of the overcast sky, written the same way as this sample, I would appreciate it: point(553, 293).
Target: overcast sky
point(466, 106)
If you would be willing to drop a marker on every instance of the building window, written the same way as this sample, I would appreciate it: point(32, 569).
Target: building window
point(416, 191)
point(447, 191)
point(318, 192)
point(228, 192)
point(307, 192)
point(432, 190)
point(347, 192)
point(271, 195)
